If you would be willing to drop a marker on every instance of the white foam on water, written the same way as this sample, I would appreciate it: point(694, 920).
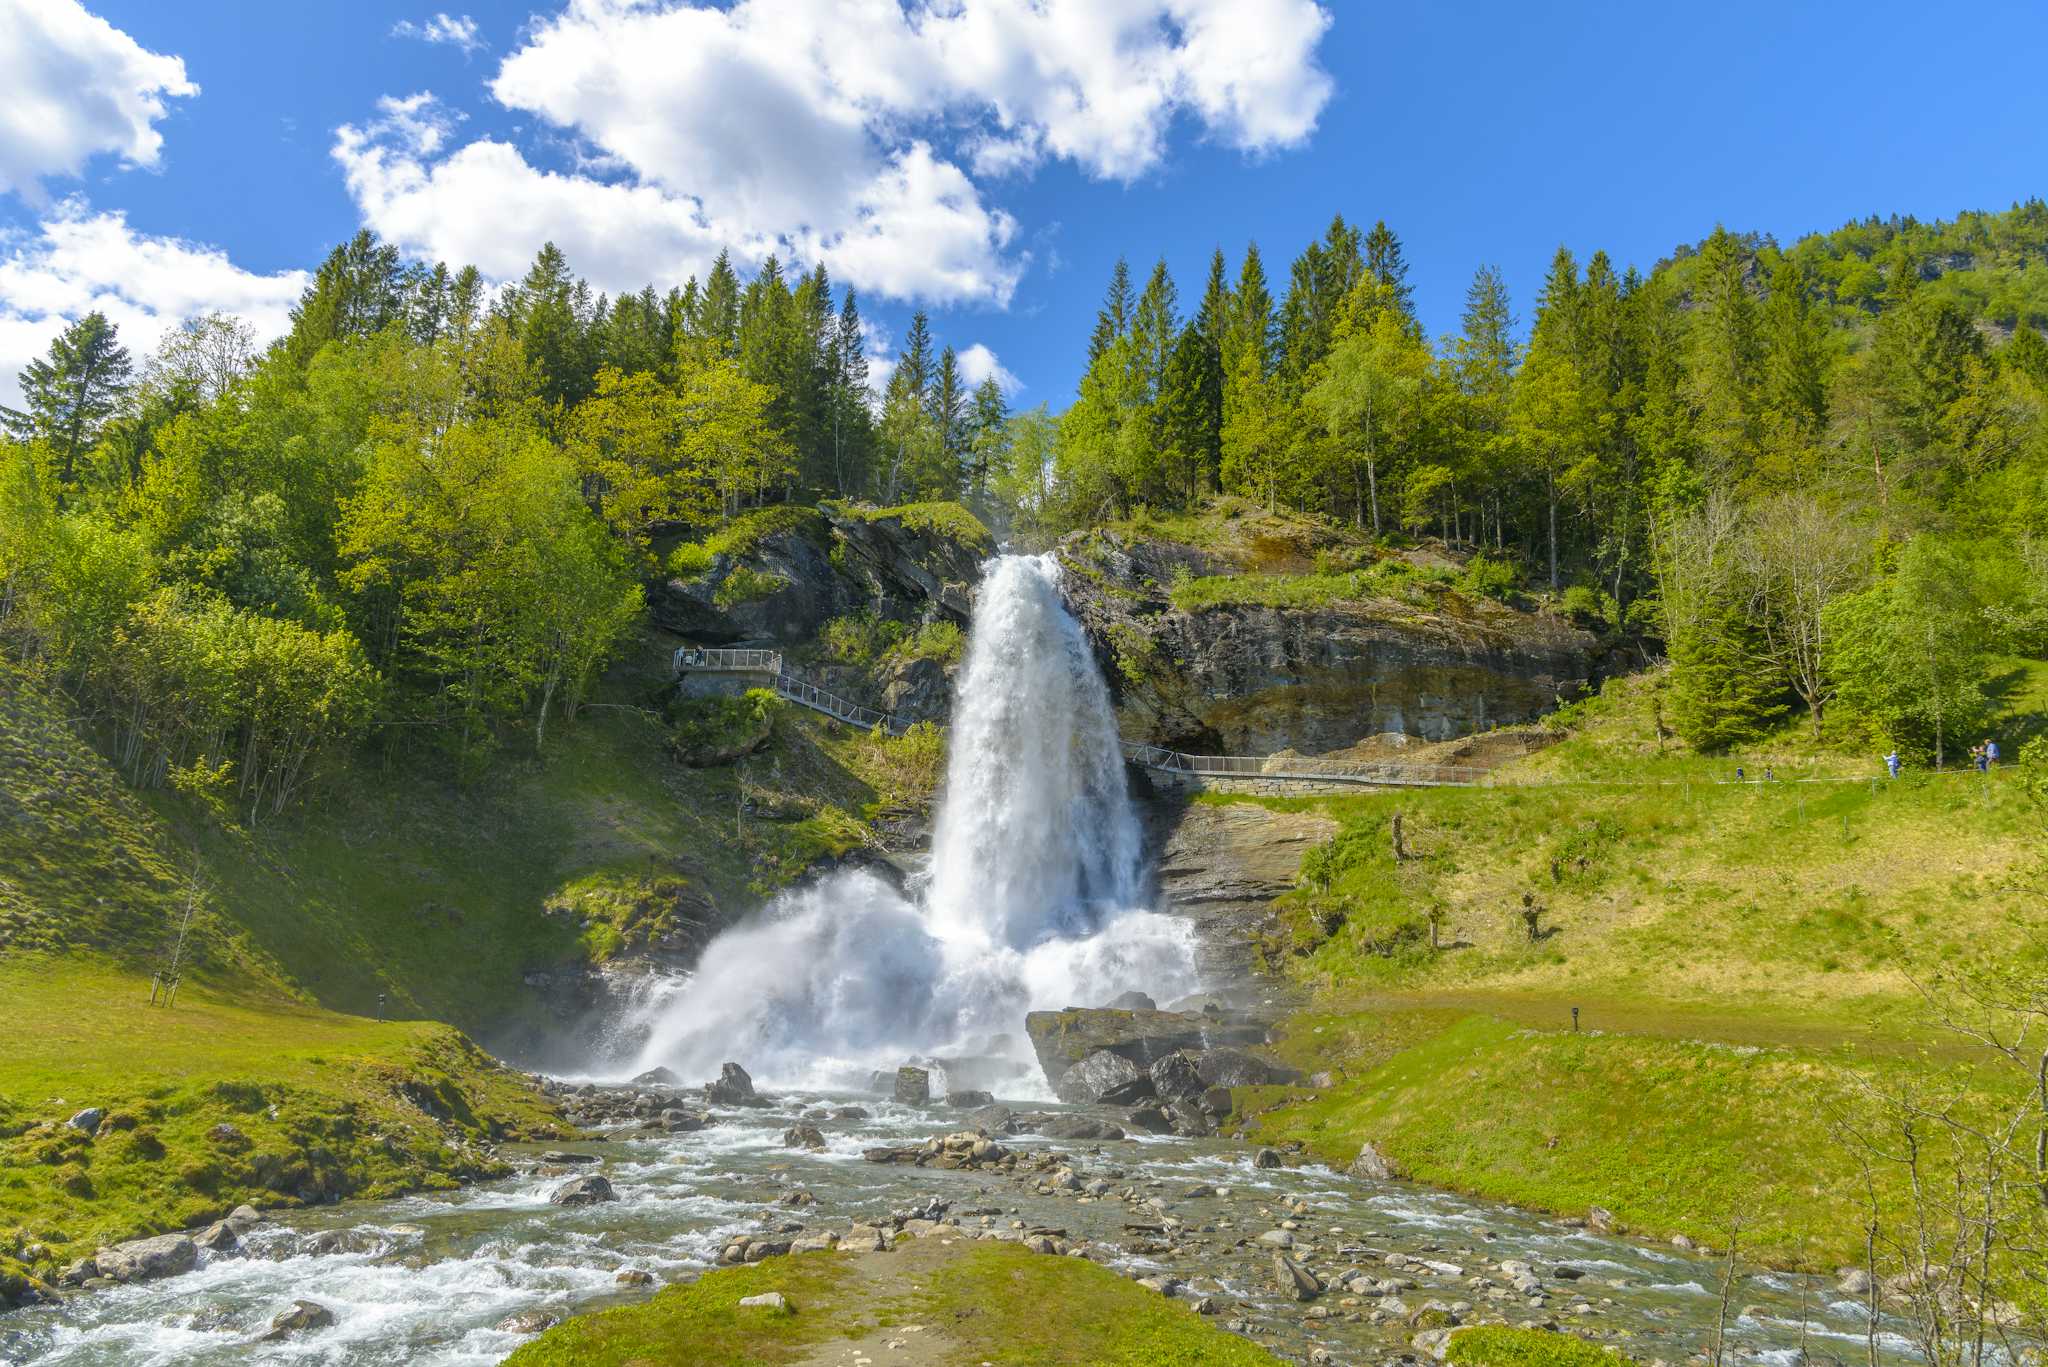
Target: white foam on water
point(1036, 896)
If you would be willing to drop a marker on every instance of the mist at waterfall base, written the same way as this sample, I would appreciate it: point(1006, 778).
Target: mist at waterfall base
point(1035, 897)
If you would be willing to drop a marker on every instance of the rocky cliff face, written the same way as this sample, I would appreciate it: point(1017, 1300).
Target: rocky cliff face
point(792, 581)
point(1248, 679)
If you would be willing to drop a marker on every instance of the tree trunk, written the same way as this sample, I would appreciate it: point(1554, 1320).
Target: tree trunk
point(1550, 487)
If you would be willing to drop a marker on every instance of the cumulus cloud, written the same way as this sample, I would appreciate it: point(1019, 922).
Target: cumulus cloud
point(455, 30)
point(978, 364)
point(77, 260)
point(847, 131)
point(76, 87)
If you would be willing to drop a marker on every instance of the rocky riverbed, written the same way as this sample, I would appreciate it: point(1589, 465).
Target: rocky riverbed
point(1316, 1265)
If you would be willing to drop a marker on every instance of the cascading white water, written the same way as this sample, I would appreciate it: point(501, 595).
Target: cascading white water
point(1034, 898)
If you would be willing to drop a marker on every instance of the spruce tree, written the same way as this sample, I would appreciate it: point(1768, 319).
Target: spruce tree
point(1113, 320)
point(1384, 261)
point(69, 394)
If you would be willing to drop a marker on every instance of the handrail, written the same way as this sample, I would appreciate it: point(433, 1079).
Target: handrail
point(1286, 768)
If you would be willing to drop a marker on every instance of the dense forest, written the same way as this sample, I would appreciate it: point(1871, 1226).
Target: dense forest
point(1816, 475)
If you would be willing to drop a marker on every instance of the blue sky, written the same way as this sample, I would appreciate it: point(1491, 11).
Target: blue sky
point(989, 162)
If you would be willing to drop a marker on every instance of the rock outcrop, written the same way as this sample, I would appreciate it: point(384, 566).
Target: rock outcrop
point(1249, 679)
point(1063, 1039)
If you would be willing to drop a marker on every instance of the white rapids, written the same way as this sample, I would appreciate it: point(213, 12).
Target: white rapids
point(1036, 895)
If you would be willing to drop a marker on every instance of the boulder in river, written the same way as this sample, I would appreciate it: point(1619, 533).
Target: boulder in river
point(143, 1260)
point(303, 1316)
point(733, 1088)
point(801, 1136)
point(1078, 1127)
point(969, 1098)
point(913, 1086)
point(1294, 1279)
point(997, 1119)
point(1131, 1001)
point(1150, 1119)
point(1062, 1039)
point(583, 1191)
point(1373, 1163)
point(1266, 1158)
point(656, 1077)
point(526, 1322)
point(1137, 1090)
point(1095, 1076)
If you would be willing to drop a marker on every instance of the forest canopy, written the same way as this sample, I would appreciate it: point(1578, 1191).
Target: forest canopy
point(1815, 475)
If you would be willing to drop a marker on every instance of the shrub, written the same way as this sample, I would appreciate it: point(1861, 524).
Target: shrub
point(746, 584)
point(740, 537)
point(689, 560)
point(1489, 578)
point(861, 637)
point(1497, 1345)
point(1584, 603)
point(938, 519)
point(942, 641)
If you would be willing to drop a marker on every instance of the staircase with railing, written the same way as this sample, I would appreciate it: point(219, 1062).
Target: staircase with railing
point(1279, 768)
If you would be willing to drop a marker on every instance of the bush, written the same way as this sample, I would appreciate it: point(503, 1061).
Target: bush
point(1497, 1345)
point(1583, 603)
point(938, 519)
point(942, 641)
point(1489, 578)
point(740, 537)
point(746, 584)
point(689, 560)
point(860, 638)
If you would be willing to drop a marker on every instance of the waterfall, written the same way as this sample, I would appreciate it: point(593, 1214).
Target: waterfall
point(1035, 896)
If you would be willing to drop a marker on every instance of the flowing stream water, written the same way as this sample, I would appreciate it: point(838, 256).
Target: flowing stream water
point(1036, 896)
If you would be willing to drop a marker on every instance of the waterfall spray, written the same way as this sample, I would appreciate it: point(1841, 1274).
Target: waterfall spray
point(1035, 896)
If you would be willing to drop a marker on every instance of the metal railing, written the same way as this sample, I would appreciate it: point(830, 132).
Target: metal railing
point(797, 689)
point(1285, 768)
point(1303, 768)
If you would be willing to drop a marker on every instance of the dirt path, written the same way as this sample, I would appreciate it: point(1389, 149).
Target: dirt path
point(888, 1281)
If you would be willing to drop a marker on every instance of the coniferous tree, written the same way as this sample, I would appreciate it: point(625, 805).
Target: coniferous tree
point(1383, 260)
point(69, 394)
point(1113, 320)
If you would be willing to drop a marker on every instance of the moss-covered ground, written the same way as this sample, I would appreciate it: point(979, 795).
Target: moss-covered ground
point(937, 1301)
point(316, 1105)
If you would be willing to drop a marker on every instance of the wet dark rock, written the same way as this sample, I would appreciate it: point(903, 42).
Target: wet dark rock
point(849, 1113)
point(1062, 1039)
point(1150, 1119)
point(677, 1121)
point(633, 1276)
point(803, 1137)
point(1175, 1078)
point(328, 1242)
point(1266, 1158)
point(656, 1077)
point(1078, 1127)
point(1131, 1001)
point(1236, 1068)
point(1096, 1075)
point(969, 1098)
point(997, 1119)
point(1129, 1093)
point(583, 1191)
point(303, 1317)
point(527, 1322)
point(733, 1088)
point(1190, 1121)
point(913, 1086)
point(558, 1156)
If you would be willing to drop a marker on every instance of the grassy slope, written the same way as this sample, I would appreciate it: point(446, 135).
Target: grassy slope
point(1741, 955)
point(976, 1303)
point(393, 882)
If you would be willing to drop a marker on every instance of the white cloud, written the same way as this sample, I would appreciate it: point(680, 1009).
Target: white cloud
point(978, 364)
point(456, 31)
point(836, 130)
point(76, 86)
point(77, 261)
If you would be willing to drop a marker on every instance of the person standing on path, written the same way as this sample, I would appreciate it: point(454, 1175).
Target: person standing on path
point(1891, 763)
point(1990, 752)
